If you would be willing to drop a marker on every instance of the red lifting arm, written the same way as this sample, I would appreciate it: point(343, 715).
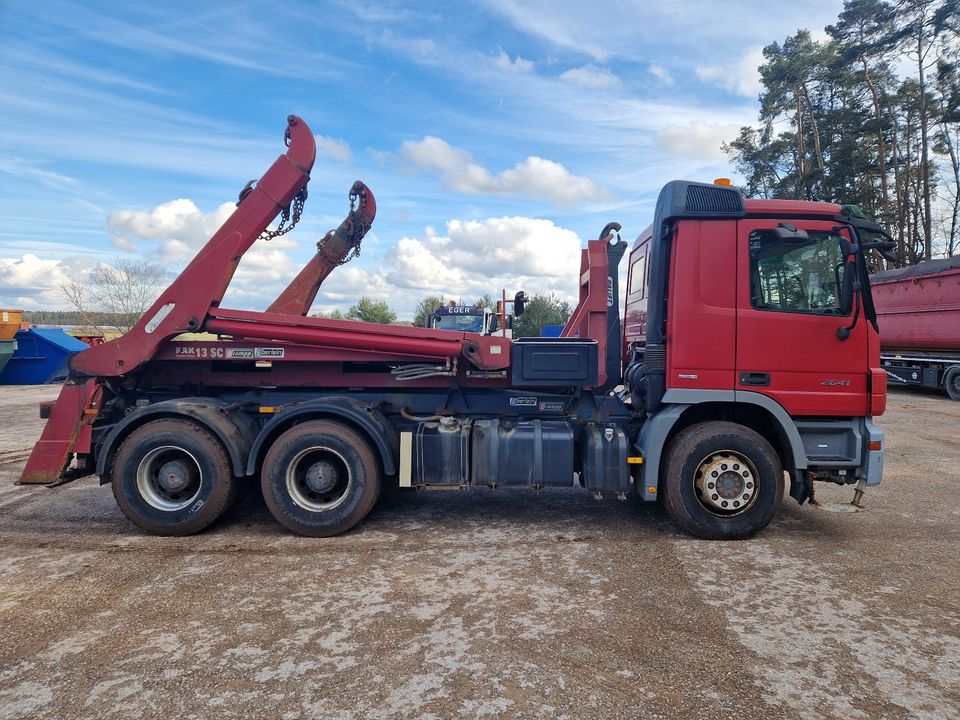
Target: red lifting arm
point(332, 250)
point(589, 318)
point(184, 305)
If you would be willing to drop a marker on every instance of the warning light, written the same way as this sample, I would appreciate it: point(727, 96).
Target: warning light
point(875, 445)
point(725, 182)
point(651, 489)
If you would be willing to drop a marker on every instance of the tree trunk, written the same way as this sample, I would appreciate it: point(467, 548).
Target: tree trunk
point(816, 143)
point(881, 145)
point(924, 152)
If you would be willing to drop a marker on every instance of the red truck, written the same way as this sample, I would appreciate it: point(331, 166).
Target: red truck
point(750, 351)
point(919, 311)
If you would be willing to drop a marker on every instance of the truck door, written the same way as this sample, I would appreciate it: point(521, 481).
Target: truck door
point(788, 313)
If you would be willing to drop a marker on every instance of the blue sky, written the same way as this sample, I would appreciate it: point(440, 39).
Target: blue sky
point(496, 135)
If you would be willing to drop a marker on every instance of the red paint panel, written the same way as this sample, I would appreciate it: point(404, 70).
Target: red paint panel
point(812, 372)
point(878, 392)
point(701, 314)
point(52, 453)
point(485, 352)
point(296, 374)
point(589, 318)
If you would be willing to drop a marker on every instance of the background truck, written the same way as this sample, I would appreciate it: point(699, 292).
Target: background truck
point(750, 351)
point(919, 311)
point(478, 318)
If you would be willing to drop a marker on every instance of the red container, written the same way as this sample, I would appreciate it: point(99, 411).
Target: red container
point(918, 307)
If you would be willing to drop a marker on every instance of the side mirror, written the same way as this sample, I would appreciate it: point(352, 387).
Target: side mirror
point(845, 246)
point(884, 247)
point(790, 233)
point(846, 288)
point(519, 301)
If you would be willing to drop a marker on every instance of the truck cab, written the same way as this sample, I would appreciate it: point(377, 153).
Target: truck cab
point(756, 310)
point(469, 318)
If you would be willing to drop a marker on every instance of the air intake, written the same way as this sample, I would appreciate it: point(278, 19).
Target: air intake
point(713, 200)
point(681, 198)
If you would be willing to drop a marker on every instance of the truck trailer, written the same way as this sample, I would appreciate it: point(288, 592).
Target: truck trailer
point(749, 354)
point(919, 311)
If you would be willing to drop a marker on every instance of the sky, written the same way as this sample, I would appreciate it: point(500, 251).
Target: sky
point(498, 136)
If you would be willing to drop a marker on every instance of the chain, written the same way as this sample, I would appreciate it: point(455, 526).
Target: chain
point(352, 229)
point(291, 213)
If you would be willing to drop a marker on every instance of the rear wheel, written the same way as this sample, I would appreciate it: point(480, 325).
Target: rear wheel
point(320, 478)
point(172, 477)
point(951, 381)
point(722, 481)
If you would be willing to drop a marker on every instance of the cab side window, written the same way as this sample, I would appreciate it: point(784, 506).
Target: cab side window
point(638, 277)
point(799, 276)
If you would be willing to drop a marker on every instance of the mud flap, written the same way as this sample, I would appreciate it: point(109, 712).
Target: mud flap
point(801, 487)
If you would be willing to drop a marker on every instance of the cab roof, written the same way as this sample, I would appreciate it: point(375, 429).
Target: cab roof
point(792, 207)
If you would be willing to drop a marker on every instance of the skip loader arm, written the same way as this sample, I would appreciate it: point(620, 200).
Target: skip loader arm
point(334, 249)
point(182, 307)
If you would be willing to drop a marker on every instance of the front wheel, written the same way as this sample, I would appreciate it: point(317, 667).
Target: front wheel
point(320, 478)
point(722, 481)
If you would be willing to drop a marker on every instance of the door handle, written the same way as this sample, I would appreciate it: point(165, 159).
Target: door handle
point(755, 379)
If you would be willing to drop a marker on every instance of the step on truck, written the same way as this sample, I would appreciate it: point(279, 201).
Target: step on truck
point(749, 358)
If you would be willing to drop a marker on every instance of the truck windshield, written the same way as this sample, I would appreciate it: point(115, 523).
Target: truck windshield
point(796, 276)
point(462, 323)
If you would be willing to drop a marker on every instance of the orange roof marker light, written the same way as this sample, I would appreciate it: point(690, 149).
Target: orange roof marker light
point(725, 182)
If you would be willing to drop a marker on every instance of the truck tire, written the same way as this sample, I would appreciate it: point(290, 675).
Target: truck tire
point(951, 381)
point(320, 478)
point(172, 477)
point(722, 481)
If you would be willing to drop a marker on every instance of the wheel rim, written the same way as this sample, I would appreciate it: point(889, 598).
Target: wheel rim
point(318, 479)
point(169, 478)
point(726, 483)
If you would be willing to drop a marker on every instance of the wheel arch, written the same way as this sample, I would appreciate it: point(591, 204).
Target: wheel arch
point(234, 431)
point(369, 422)
point(688, 407)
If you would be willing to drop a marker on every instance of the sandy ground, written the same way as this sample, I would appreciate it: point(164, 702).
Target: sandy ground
point(487, 604)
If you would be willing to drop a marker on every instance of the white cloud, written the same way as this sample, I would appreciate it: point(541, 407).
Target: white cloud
point(33, 282)
point(516, 65)
point(591, 76)
point(697, 139)
point(463, 261)
point(469, 259)
point(179, 225)
point(179, 229)
point(741, 77)
point(535, 176)
point(660, 72)
point(333, 148)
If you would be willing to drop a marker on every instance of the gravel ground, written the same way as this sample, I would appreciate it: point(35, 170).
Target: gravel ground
point(487, 604)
